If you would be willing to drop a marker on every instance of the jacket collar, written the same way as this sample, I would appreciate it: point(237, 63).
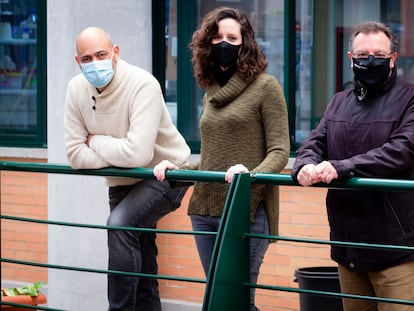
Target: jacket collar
point(363, 93)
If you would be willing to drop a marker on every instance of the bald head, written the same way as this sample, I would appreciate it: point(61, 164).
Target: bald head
point(95, 44)
point(93, 37)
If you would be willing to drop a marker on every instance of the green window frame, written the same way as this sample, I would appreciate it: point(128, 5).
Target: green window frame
point(35, 136)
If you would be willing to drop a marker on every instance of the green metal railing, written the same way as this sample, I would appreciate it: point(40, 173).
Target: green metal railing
point(227, 284)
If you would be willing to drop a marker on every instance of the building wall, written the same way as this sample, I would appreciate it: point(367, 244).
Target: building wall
point(83, 199)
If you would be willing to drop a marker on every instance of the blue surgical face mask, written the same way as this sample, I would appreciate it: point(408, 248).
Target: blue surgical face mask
point(99, 72)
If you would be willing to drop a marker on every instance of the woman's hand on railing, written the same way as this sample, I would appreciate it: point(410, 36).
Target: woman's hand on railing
point(160, 169)
point(235, 169)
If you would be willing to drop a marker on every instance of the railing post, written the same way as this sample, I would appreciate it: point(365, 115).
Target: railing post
point(230, 263)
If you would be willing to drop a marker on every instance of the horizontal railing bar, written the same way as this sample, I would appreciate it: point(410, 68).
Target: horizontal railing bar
point(209, 176)
point(93, 226)
point(184, 175)
point(328, 293)
point(330, 242)
point(3, 303)
point(116, 272)
point(351, 183)
point(189, 232)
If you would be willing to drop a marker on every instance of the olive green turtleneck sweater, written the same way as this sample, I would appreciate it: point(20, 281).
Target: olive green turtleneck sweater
point(244, 124)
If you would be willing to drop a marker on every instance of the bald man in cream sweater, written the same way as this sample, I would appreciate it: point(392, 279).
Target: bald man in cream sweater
point(115, 116)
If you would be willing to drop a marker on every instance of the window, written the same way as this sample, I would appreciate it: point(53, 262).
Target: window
point(305, 41)
point(330, 24)
point(23, 73)
point(183, 96)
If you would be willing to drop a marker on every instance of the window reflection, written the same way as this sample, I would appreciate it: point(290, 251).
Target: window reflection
point(304, 31)
point(321, 63)
point(18, 62)
point(171, 58)
point(267, 19)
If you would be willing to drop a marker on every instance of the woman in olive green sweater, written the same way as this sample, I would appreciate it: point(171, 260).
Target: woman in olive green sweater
point(244, 128)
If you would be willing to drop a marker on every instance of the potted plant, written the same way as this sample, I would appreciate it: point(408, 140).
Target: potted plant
point(26, 295)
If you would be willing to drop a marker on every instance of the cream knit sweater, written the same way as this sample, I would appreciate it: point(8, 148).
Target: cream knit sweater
point(129, 120)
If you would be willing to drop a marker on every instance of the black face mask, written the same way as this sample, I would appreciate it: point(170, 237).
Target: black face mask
point(225, 54)
point(371, 71)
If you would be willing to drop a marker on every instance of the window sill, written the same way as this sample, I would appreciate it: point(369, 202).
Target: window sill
point(25, 153)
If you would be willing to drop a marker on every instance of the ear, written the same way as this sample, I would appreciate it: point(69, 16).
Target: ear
point(77, 61)
point(116, 51)
point(393, 59)
point(350, 58)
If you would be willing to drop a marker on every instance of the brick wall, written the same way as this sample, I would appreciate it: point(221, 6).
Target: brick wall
point(302, 214)
point(24, 195)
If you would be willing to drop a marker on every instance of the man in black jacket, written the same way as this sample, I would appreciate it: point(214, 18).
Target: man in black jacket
point(368, 131)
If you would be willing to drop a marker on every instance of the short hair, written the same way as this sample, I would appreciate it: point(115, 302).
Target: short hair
point(373, 27)
point(251, 61)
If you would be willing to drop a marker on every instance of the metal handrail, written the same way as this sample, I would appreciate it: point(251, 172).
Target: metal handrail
point(209, 176)
point(234, 196)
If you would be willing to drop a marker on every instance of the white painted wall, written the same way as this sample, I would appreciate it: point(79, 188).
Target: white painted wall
point(80, 198)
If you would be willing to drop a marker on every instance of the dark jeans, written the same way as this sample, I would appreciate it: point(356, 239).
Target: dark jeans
point(139, 205)
point(258, 247)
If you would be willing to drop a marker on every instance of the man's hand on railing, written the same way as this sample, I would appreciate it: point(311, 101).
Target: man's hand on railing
point(305, 175)
point(325, 172)
point(160, 168)
point(311, 174)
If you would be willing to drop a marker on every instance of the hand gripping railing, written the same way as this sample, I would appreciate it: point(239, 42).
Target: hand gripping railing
point(227, 284)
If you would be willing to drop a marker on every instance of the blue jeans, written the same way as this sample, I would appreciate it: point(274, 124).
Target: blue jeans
point(258, 247)
point(139, 205)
